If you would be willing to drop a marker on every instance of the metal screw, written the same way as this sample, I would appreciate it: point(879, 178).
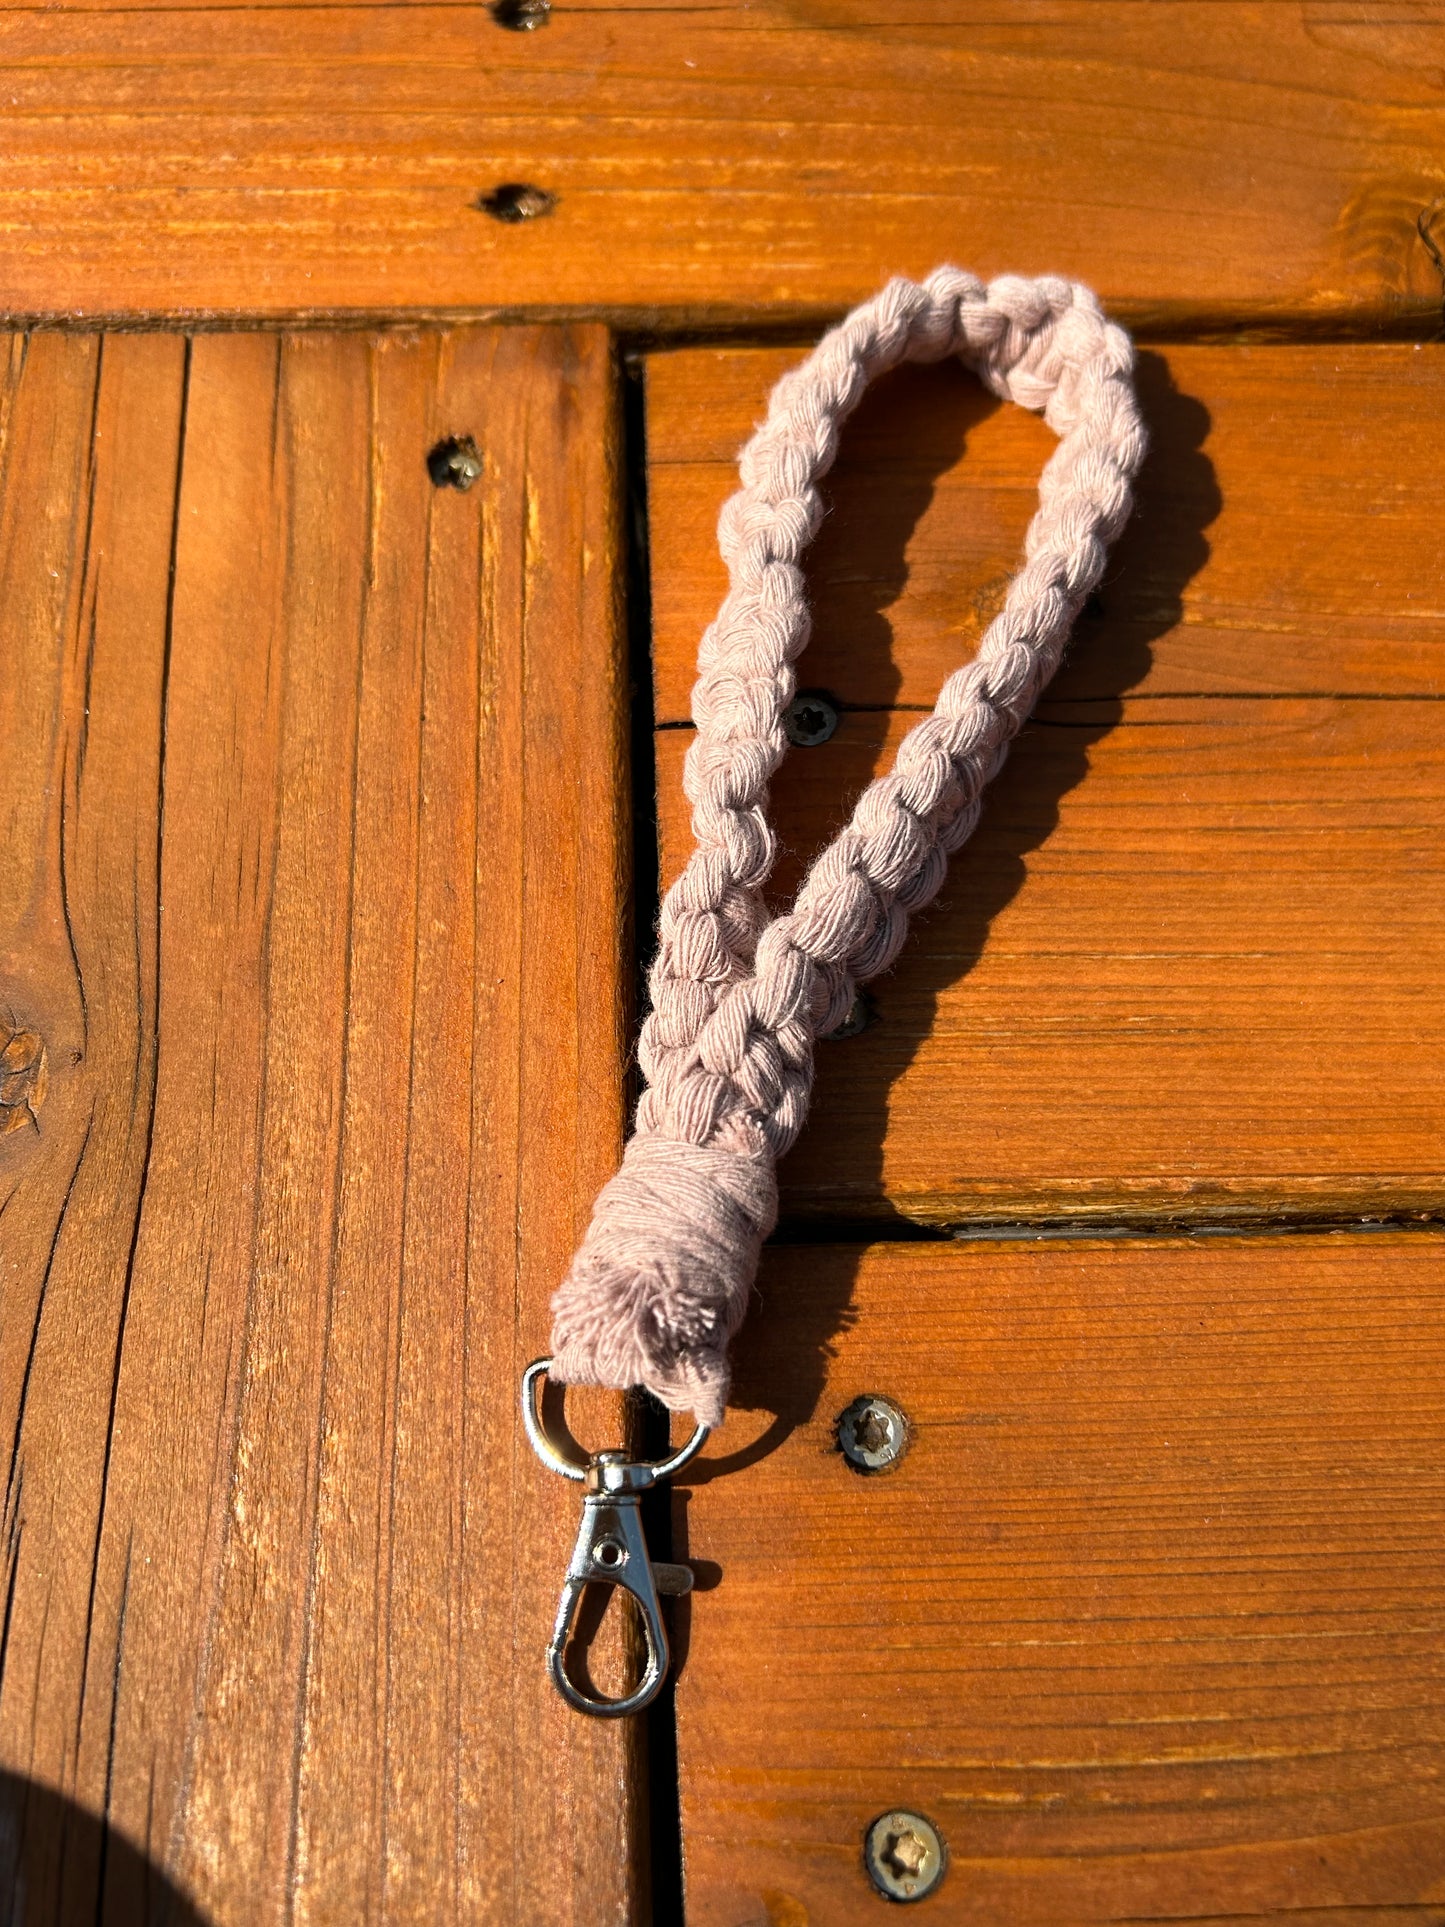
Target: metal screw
point(872, 1433)
point(516, 201)
point(455, 463)
point(521, 16)
point(860, 1016)
point(904, 1855)
point(810, 719)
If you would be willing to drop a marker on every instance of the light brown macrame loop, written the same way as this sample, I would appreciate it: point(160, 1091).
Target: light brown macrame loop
point(663, 1276)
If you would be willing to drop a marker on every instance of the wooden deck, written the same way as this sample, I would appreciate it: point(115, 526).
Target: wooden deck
point(329, 798)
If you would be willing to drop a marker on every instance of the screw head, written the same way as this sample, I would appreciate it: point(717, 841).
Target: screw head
point(810, 719)
point(455, 463)
point(516, 201)
point(872, 1433)
point(904, 1855)
point(521, 16)
point(860, 1016)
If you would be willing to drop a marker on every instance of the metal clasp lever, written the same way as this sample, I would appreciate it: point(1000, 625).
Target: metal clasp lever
point(611, 1550)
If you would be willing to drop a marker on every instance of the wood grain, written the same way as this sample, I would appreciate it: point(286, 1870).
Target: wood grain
point(1147, 1619)
point(1276, 164)
point(1283, 541)
point(1187, 965)
point(312, 810)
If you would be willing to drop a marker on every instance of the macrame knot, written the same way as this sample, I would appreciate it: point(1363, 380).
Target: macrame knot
point(738, 995)
point(662, 1279)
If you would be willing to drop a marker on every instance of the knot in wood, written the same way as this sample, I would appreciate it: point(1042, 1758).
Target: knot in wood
point(24, 1076)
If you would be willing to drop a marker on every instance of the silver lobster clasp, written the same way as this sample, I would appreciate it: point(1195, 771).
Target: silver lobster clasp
point(611, 1550)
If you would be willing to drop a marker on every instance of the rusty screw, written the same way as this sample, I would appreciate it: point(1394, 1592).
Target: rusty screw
point(904, 1855)
point(810, 719)
point(455, 463)
point(872, 1433)
point(521, 16)
point(516, 201)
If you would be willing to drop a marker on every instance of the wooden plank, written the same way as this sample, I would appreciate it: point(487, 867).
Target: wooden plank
point(1283, 541)
point(1195, 164)
point(1147, 1619)
point(314, 824)
point(1187, 965)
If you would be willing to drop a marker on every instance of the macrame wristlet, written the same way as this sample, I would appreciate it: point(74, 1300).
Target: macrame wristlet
point(663, 1276)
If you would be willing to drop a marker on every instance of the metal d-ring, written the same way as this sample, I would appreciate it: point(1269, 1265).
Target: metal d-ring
point(611, 1550)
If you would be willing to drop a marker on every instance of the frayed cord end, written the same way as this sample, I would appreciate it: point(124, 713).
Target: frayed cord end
point(663, 1276)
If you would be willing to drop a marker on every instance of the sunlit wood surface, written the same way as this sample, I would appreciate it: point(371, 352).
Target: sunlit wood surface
point(1147, 1620)
point(723, 163)
point(1189, 964)
point(310, 797)
point(316, 945)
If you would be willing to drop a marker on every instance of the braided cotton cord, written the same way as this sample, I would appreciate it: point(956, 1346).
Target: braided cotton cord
point(663, 1276)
